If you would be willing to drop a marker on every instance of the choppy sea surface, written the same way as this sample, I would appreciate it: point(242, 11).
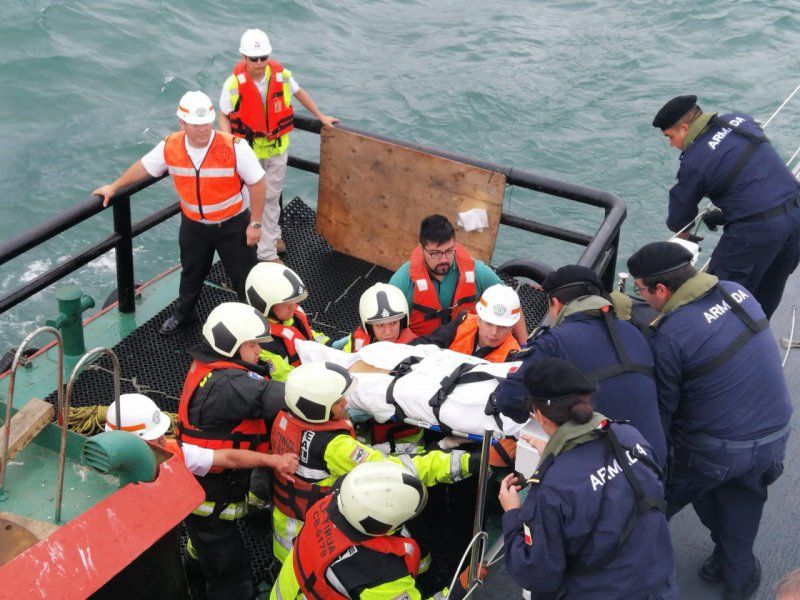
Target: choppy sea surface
point(566, 89)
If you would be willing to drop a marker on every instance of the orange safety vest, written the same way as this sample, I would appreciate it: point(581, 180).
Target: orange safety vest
point(290, 434)
point(426, 308)
point(360, 338)
point(289, 334)
point(251, 117)
point(214, 191)
point(250, 434)
point(321, 542)
point(467, 334)
point(174, 447)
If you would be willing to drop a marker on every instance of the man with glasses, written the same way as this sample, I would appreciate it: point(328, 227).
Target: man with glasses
point(441, 280)
point(724, 405)
point(256, 104)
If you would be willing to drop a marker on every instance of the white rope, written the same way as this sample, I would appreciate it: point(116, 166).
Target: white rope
point(791, 338)
point(480, 535)
point(691, 223)
point(768, 121)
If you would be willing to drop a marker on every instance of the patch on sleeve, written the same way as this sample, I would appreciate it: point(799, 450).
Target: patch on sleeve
point(403, 596)
point(358, 455)
point(255, 376)
point(528, 536)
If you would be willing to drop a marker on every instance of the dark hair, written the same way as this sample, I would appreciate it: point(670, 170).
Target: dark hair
point(690, 117)
point(569, 293)
point(575, 407)
point(436, 229)
point(671, 280)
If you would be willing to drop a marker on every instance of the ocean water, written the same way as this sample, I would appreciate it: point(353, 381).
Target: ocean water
point(567, 89)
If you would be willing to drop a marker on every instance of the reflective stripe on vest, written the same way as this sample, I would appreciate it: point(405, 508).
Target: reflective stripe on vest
point(249, 434)
point(232, 512)
point(427, 312)
point(290, 434)
point(212, 193)
point(253, 116)
point(466, 338)
point(321, 542)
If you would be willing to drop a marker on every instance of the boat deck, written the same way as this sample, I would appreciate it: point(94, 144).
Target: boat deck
point(156, 366)
point(777, 545)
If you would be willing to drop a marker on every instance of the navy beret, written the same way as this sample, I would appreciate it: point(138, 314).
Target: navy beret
point(673, 110)
point(658, 258)
point(555, 378)
point(570, 275)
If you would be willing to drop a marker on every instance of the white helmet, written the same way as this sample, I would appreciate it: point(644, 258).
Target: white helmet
point(499, 305)
point(231, 324)
point(313, 388)
point(270, 283)
point(382, 303)
point(692, 247)
point(254, 42)
point(378, 497)
point(196, 108)
point(139, 415)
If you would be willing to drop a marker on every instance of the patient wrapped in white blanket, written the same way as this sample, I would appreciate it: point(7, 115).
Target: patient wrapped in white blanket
point(462, 411)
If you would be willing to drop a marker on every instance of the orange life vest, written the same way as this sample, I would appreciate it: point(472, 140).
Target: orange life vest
point(174, 447)
point(214, 191)
point(290, 434)
point(321, 542)
point(251, 117)
point(250, 434)
point(360, 338)
point(289, 334)
point(426, 309)
point(467, 334)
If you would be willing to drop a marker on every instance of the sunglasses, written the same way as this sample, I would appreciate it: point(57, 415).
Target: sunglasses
point(258, 58)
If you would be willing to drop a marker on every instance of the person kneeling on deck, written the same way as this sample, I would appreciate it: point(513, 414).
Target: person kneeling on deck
point(441, 280)
point(383, 311)
point(486, 335)
point(354, 545)
point(587, 332)
point(316, 427)
point(276, 291)
point(225, 403)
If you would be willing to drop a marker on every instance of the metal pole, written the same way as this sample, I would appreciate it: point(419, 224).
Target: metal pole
point(62, 456)
point(480, 504)
point(10, 399)
point(124, 254)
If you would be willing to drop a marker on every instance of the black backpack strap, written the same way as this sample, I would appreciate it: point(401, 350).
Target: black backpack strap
point(625, 365)
point(753, 143)
point(642, 502)
point(752, 327)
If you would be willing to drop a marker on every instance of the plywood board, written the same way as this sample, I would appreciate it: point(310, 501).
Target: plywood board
point(374, 194)
point(26, 423)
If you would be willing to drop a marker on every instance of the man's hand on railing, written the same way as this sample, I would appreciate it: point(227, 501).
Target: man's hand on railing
point(106, 191)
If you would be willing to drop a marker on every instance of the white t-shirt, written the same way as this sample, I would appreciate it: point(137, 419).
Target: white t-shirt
point(226, 107)
point(198, 460)
point(247, 165)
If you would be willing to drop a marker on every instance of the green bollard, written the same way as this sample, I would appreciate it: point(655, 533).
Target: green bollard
point(71, 304)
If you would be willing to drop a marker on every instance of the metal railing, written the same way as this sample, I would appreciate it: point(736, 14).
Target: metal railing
point(600, 253)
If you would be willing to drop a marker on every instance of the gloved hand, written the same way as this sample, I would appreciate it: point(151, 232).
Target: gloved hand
point(695, 238)
point(713, 219)
point(502, 454)
point(460, 588)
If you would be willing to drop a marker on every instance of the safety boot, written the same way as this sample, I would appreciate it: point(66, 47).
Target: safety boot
point(735, 592)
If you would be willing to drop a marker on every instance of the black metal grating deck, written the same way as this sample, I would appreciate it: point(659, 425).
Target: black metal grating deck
point(156, 366)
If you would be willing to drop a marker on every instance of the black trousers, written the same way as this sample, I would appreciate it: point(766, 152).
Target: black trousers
point(223, 557)
point(197, 242)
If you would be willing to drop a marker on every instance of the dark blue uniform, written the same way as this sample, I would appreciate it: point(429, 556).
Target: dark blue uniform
point(583, 340)
point(761, 244)
point(727, 420)
point(566, 524)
